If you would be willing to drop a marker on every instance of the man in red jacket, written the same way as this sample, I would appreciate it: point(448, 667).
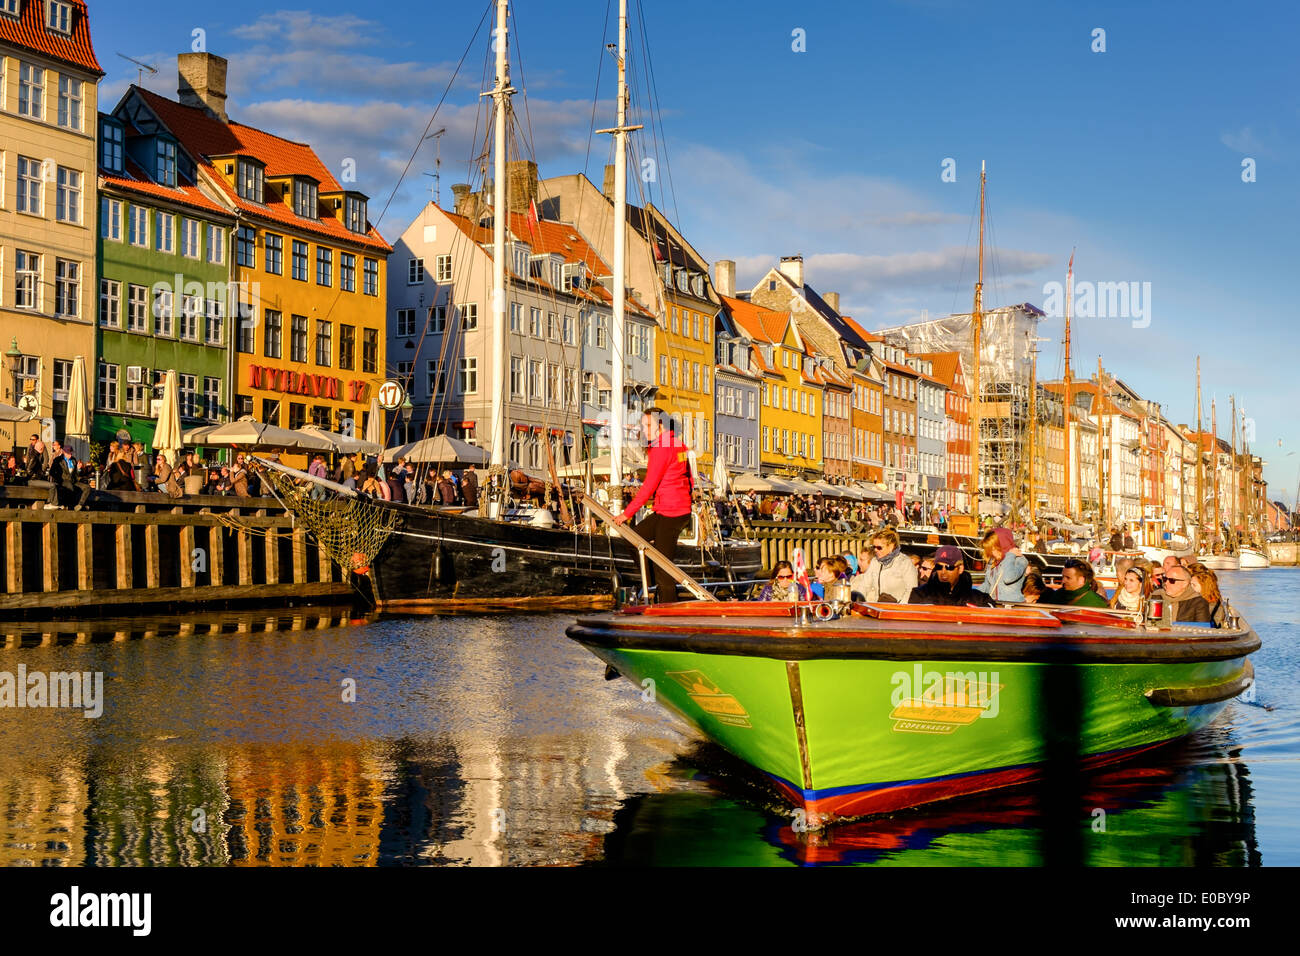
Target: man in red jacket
point(668, 480)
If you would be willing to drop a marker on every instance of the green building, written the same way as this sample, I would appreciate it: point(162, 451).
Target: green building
point(165, 285)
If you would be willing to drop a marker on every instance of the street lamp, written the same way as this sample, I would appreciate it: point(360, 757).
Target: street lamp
point(14, 361)
point(406, 410)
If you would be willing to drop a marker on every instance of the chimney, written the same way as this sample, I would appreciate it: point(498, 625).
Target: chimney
point(724, 281)
point(521, 184)
point(792, 268)
point(460, 193)
point(608, 186)
point(203, 83)
point(833, 300)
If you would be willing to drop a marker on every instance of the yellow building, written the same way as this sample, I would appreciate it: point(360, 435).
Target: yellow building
point(790, 406)
point(48, 110)
point(310, 269)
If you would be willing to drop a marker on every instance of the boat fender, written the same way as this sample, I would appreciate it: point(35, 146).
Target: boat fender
point(611, 673)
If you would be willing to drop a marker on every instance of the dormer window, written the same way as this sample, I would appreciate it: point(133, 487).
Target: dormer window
point(112, 142)
point(58, 16)
point(250, 180)
point(520, 259)
point(305, 202)
point(697, 285)
point(354, 214)
point(165, 166)
point(10, 7)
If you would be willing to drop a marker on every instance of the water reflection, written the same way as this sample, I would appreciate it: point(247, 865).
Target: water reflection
point(226, 740)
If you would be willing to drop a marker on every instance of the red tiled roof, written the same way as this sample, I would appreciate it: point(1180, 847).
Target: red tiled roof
point(135, 180)
point(204, 136)
point(28, 30)
point(760, 363)
point(945, 366)
point(856, 327)
point(762, 324)
point(556, 238)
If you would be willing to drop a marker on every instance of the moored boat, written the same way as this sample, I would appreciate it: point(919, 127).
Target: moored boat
point(1251, 558)
point(1220, 562)
point(902, 705)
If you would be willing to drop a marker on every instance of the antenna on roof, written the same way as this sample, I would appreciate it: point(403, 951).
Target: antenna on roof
point(142, 67)
point(437, 166)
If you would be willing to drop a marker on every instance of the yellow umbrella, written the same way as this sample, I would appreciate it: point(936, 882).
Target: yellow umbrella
point(78, 421)
point(167, 436)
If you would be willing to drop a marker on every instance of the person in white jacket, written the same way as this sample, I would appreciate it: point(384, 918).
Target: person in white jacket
point(890, 576)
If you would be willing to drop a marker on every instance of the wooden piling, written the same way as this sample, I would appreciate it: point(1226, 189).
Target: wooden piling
point(186, 557)
point(14, 557)
point(85, 558)
point(124, 577)
point(50, 556)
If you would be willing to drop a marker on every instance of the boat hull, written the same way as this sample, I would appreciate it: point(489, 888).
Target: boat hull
point(847, 736)
point(1250, 559)
point(434, 557)
point(1220, 562)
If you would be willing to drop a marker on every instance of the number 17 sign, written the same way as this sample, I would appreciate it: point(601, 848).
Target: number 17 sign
point(390, 395)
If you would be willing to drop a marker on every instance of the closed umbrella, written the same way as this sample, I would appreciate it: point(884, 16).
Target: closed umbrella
point(167, 436)
point(78, 421)
point(375, 424)
point(720, 476)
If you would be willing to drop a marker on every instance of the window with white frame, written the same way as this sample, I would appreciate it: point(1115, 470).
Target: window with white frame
point(27, 279)
point(468, 376)
point(10, 7)
point(216, 243)
point(535, 382)
point(324, 342)
point(442, 268)
point(535, 322)
point(164, 232)
point(31, 91)
point(215, 322)
point(436, 378)
point(187, 395)
point(602, 331)
point(70, 102)
point(305, 202)
point(191, 309)
point(110, 303)
point(298, 338)
point(106, 392)
point(354, 214)
point(163, 305)
point(406, 322)
point(414, 271)
point(516, 317)
point(58, 16)
point(370, 277)
point(137, 308)
point(469, 316)
point(110, 219)
point(189, 238)
point(67, 288)
point(251, 180)
point(211, 398)
point(437, 319)
point(516, 377)
point(29, 186)
point(165, 165)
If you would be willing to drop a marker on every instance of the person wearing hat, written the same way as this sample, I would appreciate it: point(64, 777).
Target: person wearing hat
point(951, 582)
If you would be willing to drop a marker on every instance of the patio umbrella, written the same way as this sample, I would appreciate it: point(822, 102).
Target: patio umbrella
point(247, 432)
point(439, 449)
point(633, 460)
point(342, 444)
point(8, 413)
point(195, 436)
point(752, 482)
point(720, 476)
point(77, 422)
point(167, 436)
point(375, 425)
point(801, 487)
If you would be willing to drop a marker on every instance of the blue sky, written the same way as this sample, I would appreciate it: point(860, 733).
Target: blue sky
point(1134, 154)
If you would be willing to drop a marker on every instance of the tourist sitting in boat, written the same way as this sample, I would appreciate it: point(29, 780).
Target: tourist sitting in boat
point(782, 586)
point(1180, 600)
point(1033, 587)
point(950, 584)
point(889, 577)
point(1206, 583)
point(826, 574)
point(1004, 567)
point(924, 570)
point(1077, 586)
point(1131, 595)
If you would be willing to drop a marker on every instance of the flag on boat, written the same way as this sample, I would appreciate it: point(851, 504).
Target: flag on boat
point(801, 573)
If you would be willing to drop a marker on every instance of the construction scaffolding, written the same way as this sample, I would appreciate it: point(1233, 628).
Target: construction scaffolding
point(1005, 374)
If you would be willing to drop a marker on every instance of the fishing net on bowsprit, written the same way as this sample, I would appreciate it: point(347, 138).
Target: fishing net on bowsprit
point(350, 530)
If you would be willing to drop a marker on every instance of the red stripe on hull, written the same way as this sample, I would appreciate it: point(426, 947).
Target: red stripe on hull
point(860, 803)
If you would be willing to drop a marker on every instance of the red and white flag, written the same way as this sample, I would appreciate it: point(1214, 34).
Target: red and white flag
point(801, 574)
point(533, 218)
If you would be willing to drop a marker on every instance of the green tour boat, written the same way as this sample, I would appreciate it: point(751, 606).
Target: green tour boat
point(871, 708)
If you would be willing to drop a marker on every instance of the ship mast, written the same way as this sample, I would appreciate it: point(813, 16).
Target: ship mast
point(1033, 425)
point(1101, 529)
point(501, 95)
point(977, 332)
point(1200, 465)
point(1214, 444)
point(1069, 289)
point(618, 405)
point(1232, 505)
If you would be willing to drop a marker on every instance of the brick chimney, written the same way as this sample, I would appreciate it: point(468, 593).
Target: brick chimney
point(521, 184)
point(724, 281)
point(202, 83)
point(607, 187)
point(833, 300)
point(792, 268)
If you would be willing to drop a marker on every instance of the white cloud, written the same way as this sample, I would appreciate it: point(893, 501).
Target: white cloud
point(1244, 141)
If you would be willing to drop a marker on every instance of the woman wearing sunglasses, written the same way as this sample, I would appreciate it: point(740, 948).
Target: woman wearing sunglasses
point(1004, 566)
point(782, 587)
point(890, 576)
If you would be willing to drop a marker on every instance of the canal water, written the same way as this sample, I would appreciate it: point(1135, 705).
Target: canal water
point(311, 738)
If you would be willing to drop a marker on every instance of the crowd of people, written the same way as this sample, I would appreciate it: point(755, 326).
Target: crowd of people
point(851, 517)
point(1177, 591)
